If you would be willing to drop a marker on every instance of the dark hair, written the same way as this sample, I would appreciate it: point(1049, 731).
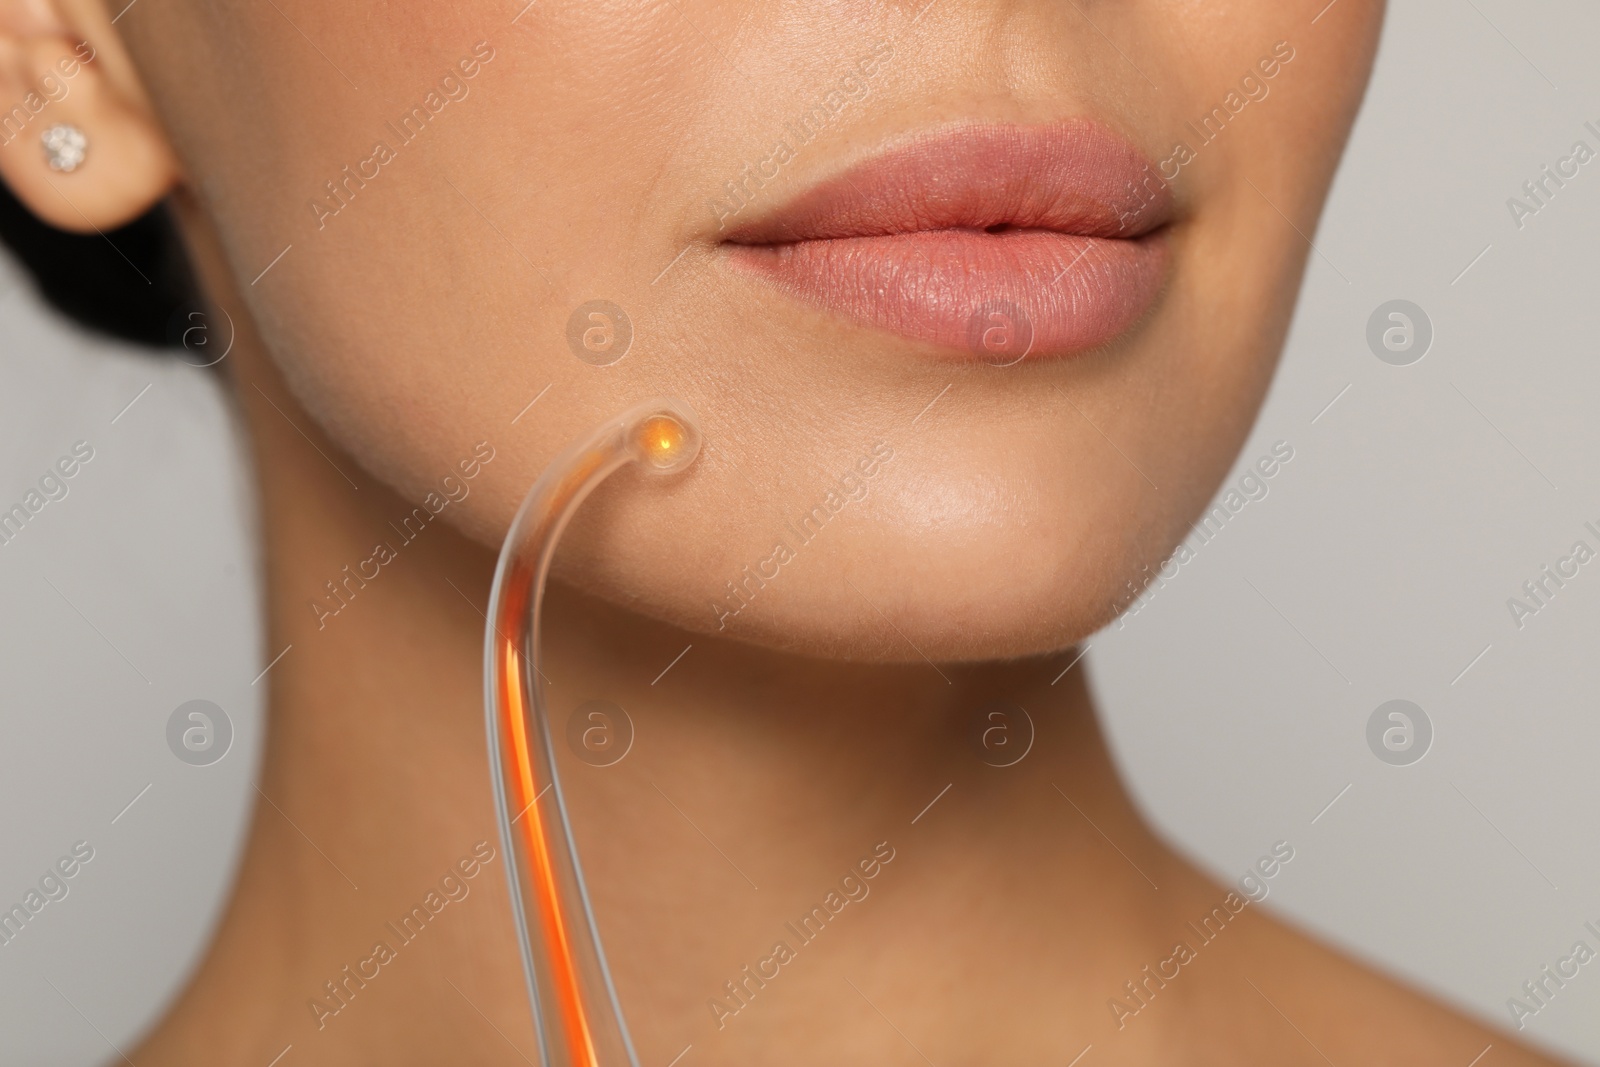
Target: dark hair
point(128, 283)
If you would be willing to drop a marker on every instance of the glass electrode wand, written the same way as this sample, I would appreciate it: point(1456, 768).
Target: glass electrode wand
point(575, 1008)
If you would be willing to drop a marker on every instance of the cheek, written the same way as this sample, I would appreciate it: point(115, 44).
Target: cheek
point(420, 311)
point(433, 307)
point(968, 544)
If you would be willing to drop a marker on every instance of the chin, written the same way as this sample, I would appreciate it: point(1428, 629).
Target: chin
point(938, 569)
point(891, 617)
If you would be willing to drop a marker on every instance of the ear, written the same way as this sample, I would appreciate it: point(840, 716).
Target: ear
point(62, 65)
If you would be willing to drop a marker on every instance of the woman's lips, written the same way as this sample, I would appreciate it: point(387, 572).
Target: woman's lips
point(1000, 241)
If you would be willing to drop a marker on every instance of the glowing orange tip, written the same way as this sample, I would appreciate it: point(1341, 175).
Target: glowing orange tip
point(662, 437)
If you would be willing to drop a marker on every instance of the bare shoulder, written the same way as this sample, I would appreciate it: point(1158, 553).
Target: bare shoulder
point(1344, 1011)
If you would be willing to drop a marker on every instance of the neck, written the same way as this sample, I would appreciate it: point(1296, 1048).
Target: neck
point(755, 781)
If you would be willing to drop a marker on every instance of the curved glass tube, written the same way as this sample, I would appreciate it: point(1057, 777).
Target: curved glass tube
point(575, 1008)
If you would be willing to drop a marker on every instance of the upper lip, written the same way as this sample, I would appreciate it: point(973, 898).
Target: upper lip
point(1073, 177)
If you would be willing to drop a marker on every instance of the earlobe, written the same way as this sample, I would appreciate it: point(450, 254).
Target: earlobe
point(82, 152)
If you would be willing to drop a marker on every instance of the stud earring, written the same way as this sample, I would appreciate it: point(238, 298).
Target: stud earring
point(64, 147)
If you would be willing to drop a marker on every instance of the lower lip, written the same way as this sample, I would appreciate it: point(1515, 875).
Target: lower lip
point(999, 297)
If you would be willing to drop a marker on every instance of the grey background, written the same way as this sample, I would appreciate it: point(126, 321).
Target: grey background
point(1237, 696)
point(1382, 559)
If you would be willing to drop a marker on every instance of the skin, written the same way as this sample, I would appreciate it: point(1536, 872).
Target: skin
point(422, 319)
